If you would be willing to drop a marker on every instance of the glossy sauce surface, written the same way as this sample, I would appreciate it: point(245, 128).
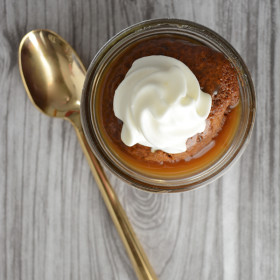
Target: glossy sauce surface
point(203, 149)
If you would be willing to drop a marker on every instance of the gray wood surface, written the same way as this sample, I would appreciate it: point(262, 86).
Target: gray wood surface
point(53, 223)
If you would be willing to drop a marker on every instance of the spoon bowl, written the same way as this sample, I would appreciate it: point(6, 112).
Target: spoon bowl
point(52, 72)
point(53, 76)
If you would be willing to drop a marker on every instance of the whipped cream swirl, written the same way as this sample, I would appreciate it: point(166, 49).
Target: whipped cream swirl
point(161, 104)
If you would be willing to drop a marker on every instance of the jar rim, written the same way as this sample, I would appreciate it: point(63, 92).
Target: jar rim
point(142, 181)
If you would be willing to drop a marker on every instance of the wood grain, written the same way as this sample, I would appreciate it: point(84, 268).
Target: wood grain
point(53, 223)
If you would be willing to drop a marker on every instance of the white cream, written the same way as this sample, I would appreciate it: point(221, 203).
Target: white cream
point(161, 104)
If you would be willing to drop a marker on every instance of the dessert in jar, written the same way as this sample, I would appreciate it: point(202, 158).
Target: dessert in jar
point(158, 89)
point(165, 105)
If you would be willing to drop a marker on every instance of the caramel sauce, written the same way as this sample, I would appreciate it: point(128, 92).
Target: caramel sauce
point(110, 127)
point(184, 167)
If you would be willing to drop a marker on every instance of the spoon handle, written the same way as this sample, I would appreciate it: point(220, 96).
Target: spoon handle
point(140, 262)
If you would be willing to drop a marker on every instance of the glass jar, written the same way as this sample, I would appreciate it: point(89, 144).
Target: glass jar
point(106, 155)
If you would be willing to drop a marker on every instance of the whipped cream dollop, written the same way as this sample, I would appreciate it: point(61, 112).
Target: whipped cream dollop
point(160, 104)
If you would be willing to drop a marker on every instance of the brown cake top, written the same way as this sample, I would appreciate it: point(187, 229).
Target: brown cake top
point(216, 77)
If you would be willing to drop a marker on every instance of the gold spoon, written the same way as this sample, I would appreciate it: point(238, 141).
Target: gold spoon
point(53, 76)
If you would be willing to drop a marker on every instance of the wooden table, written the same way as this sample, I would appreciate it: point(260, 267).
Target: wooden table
point(53, 223)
